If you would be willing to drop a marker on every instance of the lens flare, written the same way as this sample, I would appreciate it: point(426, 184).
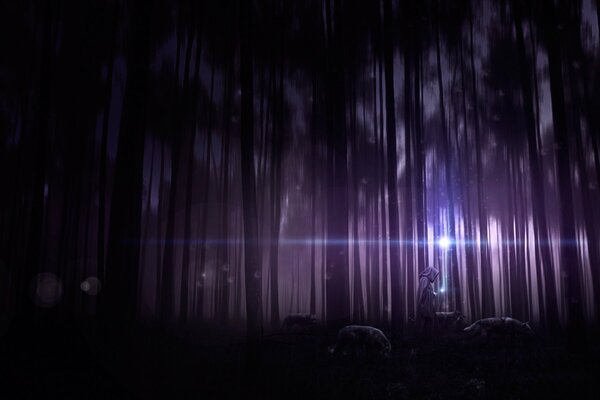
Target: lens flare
point(444, 242)
point(91, 286)
point(47, 290)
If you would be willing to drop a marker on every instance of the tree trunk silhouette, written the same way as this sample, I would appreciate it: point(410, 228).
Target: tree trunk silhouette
point(122, 257)
point(454, 289)
point(337, 284)
point(275, 184)
point(487, 288)
point(568, 252)
point(394, 237)
point(538, 198)
point(101, 245)
point(251, 248)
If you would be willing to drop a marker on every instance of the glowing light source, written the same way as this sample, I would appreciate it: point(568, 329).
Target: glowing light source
point(442, 290)
point(444, 242)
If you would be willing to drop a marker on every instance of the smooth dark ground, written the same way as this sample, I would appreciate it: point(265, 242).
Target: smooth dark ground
point(74, 359)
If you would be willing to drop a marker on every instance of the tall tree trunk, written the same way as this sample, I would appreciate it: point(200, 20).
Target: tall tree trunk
point(419, 147)
point(569, 258)
point(397, 314)
point(187, 230)
point(313, 200)
point(337, 282)
point(101, 245)
point(598, 16)
point(454, 289)
point(224, 269)
point(146, 224)
point(122, 258)
point(471, 266)
point(251, 248)
point(540, 253)
point(205, 197)
point(408, 202)
point(487, 308)
point(537, 180)
point(159, 246)
point(276, 157)
point(358, 312)
point(177, 151)
point(36, 172)
point(581, 101)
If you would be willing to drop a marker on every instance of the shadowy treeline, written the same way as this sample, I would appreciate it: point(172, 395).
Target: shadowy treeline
point(235, 161)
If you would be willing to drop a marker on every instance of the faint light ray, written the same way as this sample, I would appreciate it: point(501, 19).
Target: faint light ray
point(443, 242)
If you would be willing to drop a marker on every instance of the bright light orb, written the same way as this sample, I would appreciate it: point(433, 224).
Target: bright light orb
point(444, 242)
point(442, 290)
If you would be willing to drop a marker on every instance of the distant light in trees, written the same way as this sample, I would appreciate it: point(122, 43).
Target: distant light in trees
point(444, 242)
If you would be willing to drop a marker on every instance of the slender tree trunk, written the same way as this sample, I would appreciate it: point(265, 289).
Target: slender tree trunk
point(487, 309)
point(177, 151)
point(540, 252)
point(581, 101)
point(276, 157)
point(471, 266)
point(337, 281)
point(385, 246)
point(122, 259)
point(187, 230)
point(33, 243)
point(223, 267)
point(419, 147)
point(408, 202)
point(598, 16)
point(101, 246)
point(146, 224)
point(251, 247)
point(313, 217)
point(358, 314)
point(454, 289)
point(159, 246)
point(205, 197)
point(537, 180)
point(568, 253)
point(397, 314)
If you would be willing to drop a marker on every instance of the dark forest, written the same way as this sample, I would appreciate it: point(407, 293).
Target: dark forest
point(198, 195)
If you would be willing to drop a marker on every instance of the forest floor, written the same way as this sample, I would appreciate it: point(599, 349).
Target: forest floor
point(73, 359)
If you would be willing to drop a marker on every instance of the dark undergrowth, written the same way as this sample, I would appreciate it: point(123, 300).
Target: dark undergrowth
point(77, 359)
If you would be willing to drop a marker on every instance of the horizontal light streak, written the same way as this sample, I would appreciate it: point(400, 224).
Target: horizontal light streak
point(342, 242)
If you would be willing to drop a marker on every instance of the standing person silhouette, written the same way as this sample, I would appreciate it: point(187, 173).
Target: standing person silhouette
point(426, 300)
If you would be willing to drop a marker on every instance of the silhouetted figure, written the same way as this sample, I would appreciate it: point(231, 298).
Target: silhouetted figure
point(426, 300)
